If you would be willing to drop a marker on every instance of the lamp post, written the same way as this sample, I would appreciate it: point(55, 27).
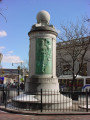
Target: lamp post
point(20, 72)
point(18, 78)
point(1, 56)
point(25, 77)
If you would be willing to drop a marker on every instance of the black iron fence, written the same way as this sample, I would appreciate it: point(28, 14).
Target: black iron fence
point(45, 100)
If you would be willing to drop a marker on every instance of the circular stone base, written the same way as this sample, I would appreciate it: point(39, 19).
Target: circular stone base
point(84, 107)
point(47, 102)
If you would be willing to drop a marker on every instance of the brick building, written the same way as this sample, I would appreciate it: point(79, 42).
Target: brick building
point(64, 60)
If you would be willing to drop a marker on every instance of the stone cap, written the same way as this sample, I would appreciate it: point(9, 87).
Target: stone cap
point(43, 18)
point(49, 28)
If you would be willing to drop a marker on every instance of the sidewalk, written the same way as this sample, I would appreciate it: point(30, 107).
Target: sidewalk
point(38, 112)
point(10, 116)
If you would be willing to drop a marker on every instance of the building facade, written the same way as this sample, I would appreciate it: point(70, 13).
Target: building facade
point(12, 75)
point(73, 52)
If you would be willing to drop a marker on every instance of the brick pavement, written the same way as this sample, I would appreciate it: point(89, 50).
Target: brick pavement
point(10, 116)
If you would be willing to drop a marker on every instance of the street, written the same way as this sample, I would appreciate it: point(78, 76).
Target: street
point(10, 116)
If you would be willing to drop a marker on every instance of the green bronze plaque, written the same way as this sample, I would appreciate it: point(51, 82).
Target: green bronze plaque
point(43, 56)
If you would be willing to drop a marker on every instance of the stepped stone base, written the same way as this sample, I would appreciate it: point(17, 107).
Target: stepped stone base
point(50, 100)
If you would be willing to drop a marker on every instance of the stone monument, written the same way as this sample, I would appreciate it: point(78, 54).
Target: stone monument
point(42, 68)
point(42, 55)
point(42, 61)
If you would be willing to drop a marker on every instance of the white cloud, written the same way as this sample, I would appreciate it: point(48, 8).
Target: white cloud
point(9, 52)
point(11, 59)
point(1, 48)
point(3, 33)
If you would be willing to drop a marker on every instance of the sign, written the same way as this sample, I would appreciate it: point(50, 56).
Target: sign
point(21, 79)
point(1, 78)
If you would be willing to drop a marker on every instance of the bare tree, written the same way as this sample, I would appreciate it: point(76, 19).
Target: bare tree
point(2, 14)
point(72, 47)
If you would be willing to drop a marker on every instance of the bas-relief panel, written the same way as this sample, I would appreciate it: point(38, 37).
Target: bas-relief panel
point(43, 56)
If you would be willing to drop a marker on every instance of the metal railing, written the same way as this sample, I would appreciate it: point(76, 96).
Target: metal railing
point(46, 100)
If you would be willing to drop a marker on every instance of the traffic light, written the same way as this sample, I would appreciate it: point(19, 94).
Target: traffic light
point(3, 72)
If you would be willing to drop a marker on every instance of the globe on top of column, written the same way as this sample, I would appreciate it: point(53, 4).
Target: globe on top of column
point(43, 17)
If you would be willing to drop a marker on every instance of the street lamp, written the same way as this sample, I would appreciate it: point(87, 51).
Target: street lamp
point(1, 56)
point(18, 78)
point(20, 71)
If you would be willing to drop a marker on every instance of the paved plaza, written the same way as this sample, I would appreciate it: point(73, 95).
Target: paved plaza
point(10, 116)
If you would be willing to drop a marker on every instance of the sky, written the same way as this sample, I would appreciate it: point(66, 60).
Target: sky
point(21, 15)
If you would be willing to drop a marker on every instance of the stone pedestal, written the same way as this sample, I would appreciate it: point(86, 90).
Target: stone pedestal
point(42, 60)
point(42, 55)
point(42, 66)
point(36, 84)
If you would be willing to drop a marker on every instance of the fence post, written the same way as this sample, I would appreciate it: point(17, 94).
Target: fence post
point(6, 98)
point(3, 94)
point(41, 100)
point(86, 100)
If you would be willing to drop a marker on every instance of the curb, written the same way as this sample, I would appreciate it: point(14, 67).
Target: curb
point(41, 113)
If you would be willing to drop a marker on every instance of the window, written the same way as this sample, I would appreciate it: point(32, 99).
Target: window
point(87, 80)
point(66, 70)
point(83, 70)
point(80, 83)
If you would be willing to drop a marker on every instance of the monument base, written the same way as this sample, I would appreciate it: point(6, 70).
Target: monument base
point(48, 101)
point(46, 83)
point(42, 92)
